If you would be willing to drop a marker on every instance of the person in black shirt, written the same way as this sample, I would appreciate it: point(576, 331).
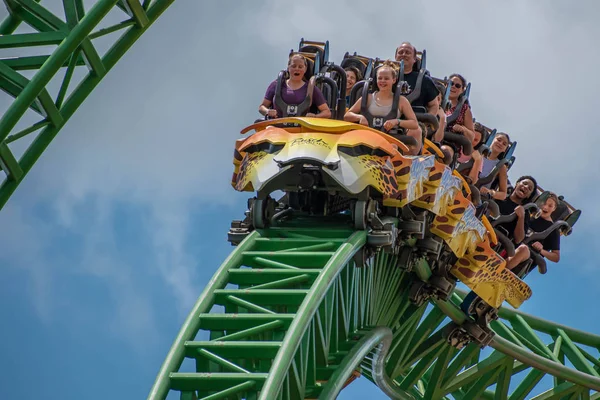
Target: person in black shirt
point(548, 248)
point(515, 230)
point(428, 98)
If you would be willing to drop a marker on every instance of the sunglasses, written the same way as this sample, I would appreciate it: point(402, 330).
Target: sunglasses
point(457, 85)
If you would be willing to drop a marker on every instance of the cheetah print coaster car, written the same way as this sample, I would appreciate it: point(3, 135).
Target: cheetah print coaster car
point(356, 157)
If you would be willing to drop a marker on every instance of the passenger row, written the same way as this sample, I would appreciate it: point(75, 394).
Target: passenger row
point(401, 98)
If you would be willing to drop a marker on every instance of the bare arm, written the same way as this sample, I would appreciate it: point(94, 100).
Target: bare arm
point(469, 121)
point(411, 119)
point(353, 114)
point(519, 233)
point(500, 194)
point(477, 161)
point(468, 128)
point(553, 255)
point(264, 108)
point(439, 134)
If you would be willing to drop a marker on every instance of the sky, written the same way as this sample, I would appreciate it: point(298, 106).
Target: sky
point(117, 229)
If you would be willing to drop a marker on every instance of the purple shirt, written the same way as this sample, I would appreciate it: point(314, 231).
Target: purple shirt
point(293, 97)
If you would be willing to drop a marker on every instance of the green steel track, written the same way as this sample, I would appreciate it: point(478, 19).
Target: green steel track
point(289, 315)
point(72, 37)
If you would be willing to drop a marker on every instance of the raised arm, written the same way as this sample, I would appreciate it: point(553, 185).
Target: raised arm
point(499, 194)
point(477, 163)
point(439, 134)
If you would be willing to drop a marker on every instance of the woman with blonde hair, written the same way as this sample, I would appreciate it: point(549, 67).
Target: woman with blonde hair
point(380, 102)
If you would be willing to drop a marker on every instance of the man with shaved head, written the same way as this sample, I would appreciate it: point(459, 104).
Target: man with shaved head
point(428, 97)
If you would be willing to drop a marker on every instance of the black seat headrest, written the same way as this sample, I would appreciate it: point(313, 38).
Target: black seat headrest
point(313, 49)
point(310, 69)
point(354, 62)
point(561, 212)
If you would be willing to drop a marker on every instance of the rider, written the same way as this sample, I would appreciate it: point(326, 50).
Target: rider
point(498, 149)
point(464, 123)
point(379, 103)
point(548, 248)
point(294, 91)
point(525, 188)
point(428, 98)
point(473, 174)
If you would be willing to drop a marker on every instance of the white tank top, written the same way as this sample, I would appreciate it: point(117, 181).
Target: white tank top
point(378, 110)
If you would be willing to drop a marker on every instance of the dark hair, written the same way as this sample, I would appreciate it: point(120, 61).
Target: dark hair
point(462, 79)
point(441, 88)
point(534, 191)
point(356, 72)
point(505, 135)
point(479, 128)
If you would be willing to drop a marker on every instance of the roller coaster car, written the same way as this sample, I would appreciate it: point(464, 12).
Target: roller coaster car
point(328, 166)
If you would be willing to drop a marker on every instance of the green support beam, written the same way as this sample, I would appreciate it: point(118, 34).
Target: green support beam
point(72, 36)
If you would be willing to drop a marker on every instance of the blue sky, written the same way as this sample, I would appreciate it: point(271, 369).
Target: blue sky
point(117, 229)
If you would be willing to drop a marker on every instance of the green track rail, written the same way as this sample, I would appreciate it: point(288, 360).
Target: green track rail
point(72, 35)
point(289, 315)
